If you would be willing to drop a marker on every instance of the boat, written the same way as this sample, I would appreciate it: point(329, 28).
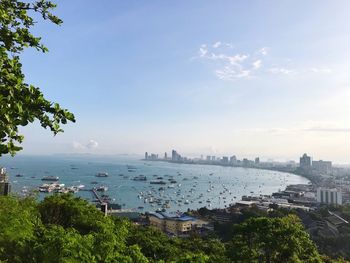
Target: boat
point(19, 175)
point(140, 178)
point(45, 189)
point(101, 188)
point(131, 168)
point(50, 178)
point(157, 182)
point(102, 174)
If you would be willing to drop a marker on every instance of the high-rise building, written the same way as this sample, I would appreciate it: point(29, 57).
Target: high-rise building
point(246, 162)
point(146, 155)
point(175, 156)
point(323, 167)
point(233, 159)
point(305, 162)
point(224, 160)
point(153, 156)
point(165, 156)
point(257, 160)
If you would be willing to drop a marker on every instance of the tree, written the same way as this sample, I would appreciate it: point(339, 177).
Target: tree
point(22, 103)
point(272, 240)
point(18, 219)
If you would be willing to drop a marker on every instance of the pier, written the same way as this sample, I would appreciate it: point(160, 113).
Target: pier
point(93, 190)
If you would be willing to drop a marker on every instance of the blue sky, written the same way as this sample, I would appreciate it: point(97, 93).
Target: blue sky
point(267, 78)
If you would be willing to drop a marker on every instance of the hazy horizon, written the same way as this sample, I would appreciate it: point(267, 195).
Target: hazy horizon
point(256, 78)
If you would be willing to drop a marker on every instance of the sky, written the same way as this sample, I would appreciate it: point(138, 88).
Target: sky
point(250, 78)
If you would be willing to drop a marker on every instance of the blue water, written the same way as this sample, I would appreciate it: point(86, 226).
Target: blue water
point(125, 191)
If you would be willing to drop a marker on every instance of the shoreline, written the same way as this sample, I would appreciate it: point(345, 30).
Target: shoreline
point(295, 172)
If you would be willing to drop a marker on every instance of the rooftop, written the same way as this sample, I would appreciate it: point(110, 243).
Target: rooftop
point(178, 217)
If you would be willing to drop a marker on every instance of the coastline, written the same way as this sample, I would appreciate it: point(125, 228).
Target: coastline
point(277, 169)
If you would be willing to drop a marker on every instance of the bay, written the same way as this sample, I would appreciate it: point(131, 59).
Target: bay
point(196, 185)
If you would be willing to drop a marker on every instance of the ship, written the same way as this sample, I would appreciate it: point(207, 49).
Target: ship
point(50, 178)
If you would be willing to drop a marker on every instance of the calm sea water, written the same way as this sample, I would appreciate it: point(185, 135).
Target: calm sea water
point(196, 185)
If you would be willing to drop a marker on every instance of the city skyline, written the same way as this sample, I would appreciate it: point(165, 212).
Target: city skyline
point(241, 77)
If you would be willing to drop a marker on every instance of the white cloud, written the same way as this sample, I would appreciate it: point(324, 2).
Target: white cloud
point(239, 65)
point(263, 51)
point(237, 58)
point(284, 71)
point(203, 50)
point(92, 144)
point(228, 73)
point(257, 64)
point(321, 70)
point(78, 146)
point(230, 66)
point(229, 45)
point(217, 44)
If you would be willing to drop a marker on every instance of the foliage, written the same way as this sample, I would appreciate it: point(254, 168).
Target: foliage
point(22, 103)
point(272, 240)
point(18, 220)
point(64, 228)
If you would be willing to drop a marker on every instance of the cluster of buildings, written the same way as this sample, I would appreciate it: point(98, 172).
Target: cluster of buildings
point(311, 167)
point(5, 186)
point(328, 186)
point(306, 166)
point(225, 160)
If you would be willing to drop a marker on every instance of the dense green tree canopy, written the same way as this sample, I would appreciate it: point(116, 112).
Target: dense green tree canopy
point(64, 228)
point(22, 103)
point(272, 240)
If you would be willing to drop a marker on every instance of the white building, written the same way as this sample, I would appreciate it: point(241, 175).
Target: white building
point(329, 196)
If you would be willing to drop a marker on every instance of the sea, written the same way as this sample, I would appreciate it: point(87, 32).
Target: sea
point(193, 186)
